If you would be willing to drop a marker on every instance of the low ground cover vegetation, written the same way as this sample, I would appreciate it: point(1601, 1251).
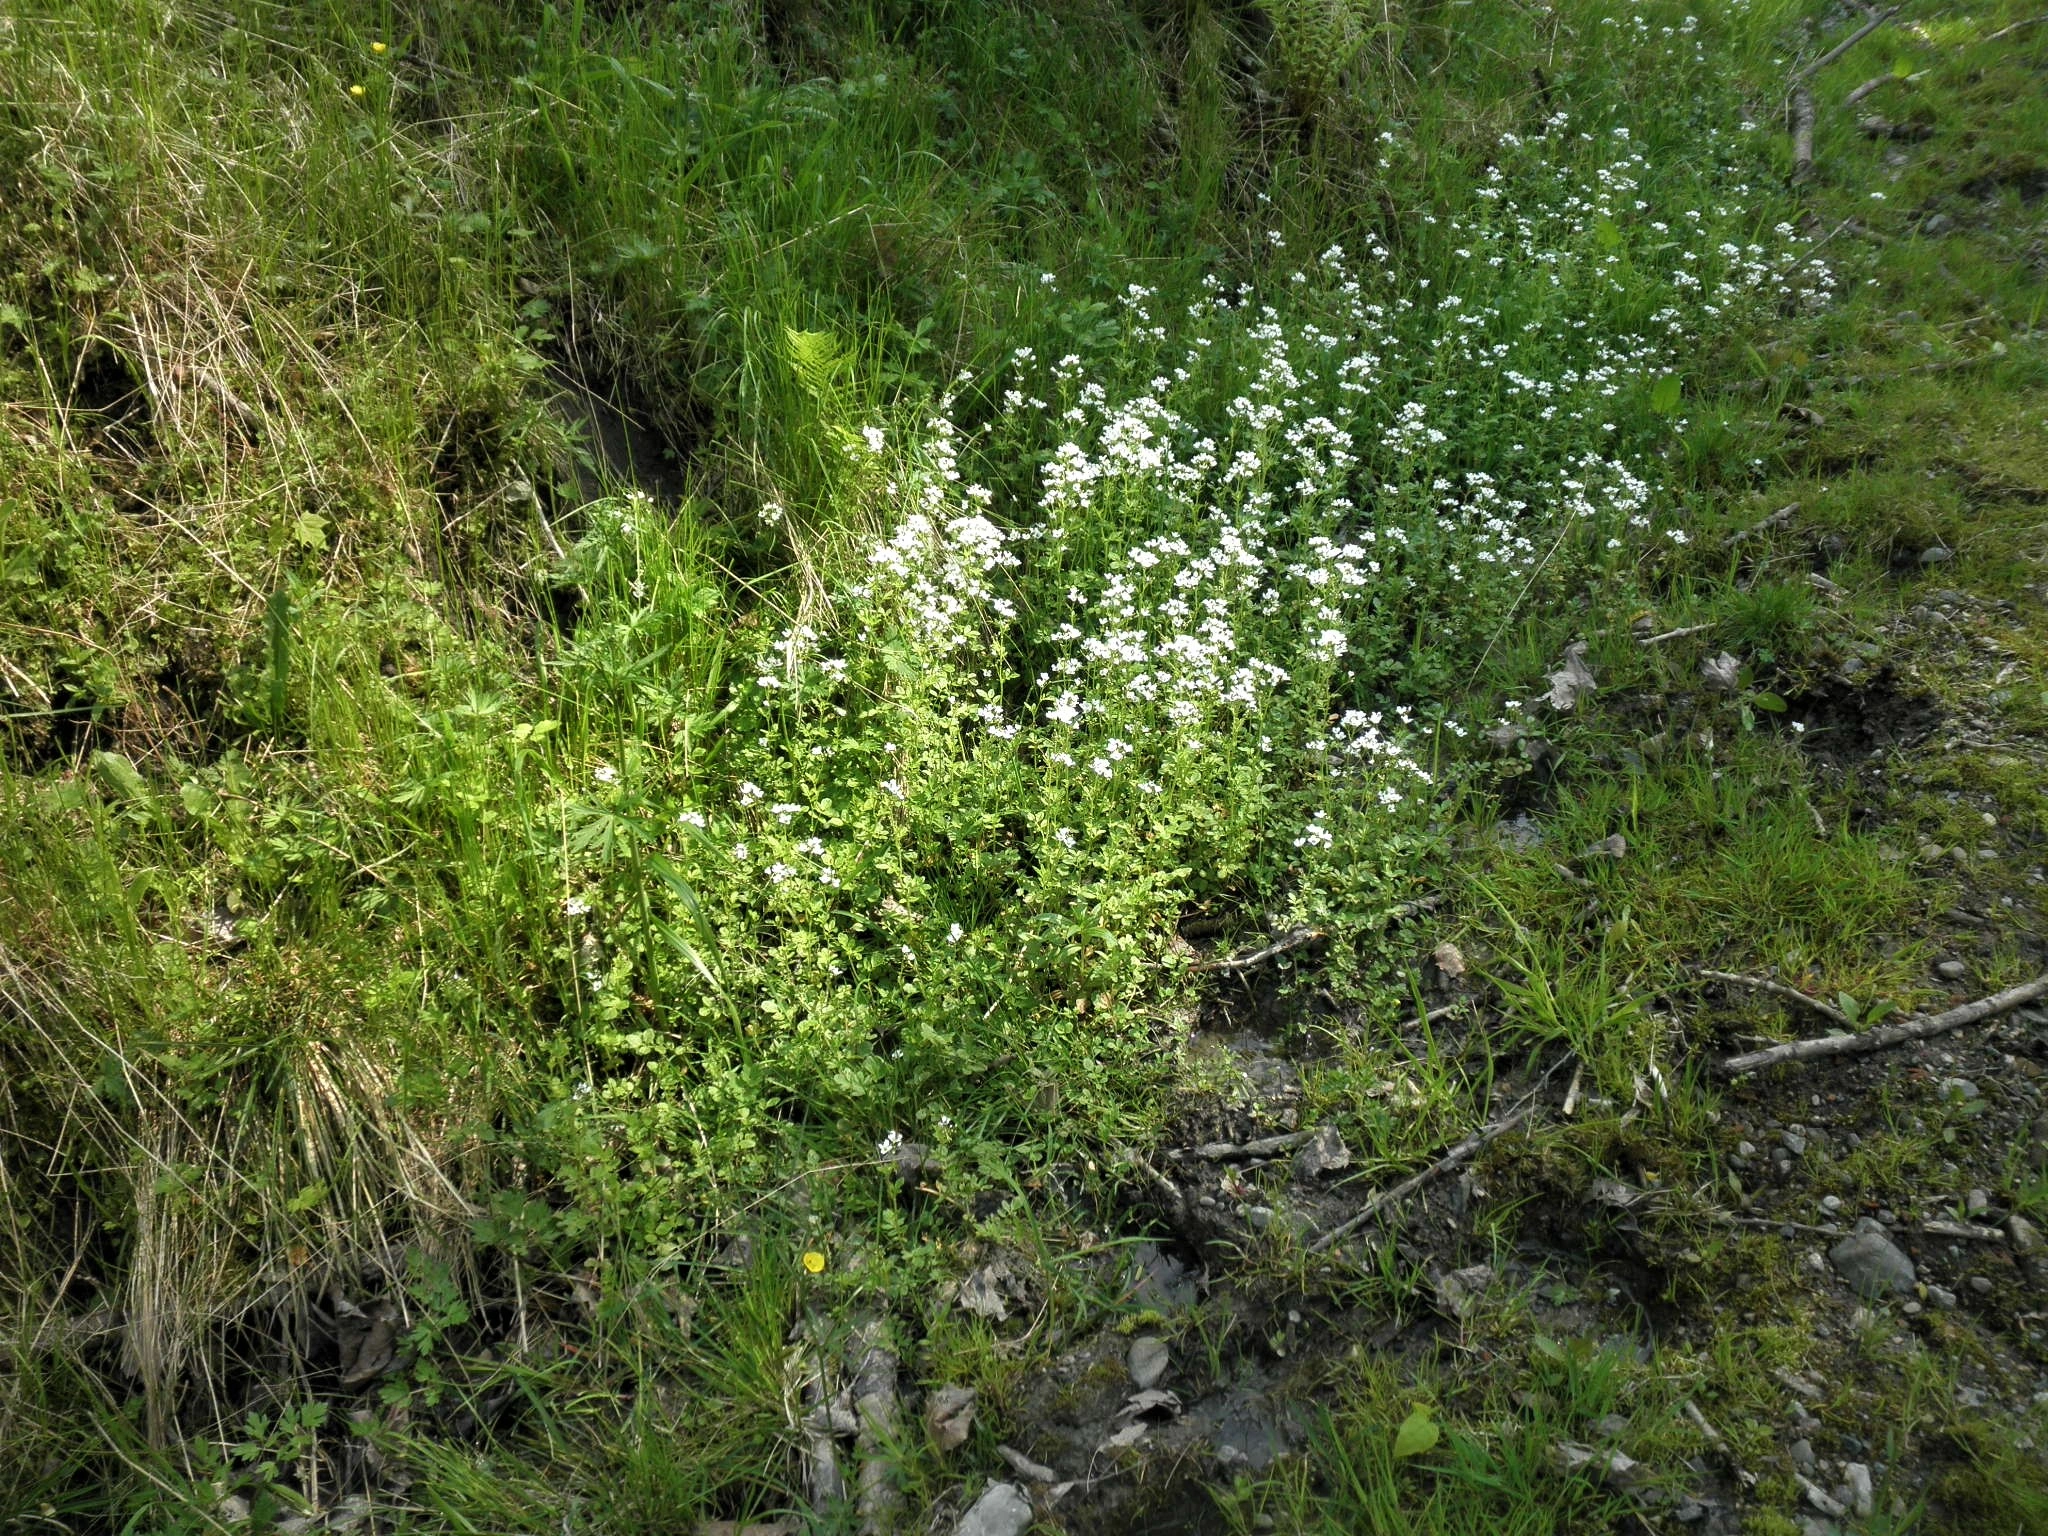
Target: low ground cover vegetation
point(769, 765)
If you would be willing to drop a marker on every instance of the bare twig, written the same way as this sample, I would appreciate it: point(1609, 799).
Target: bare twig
point(1878, 83)
point(1965, 1231)
point(1799, 76)
point(1279, 946)
point(1674, 634)
point(1916, 1028)
point(1779, 989)
point(2018, 26)
point(1265, 1146)
point(1462, 1152)
point(1802, 134)
point(1786, 513)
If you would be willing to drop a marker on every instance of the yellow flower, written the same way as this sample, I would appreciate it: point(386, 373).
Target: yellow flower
point(814, 1261)
point(356, 91)
point(377, 47)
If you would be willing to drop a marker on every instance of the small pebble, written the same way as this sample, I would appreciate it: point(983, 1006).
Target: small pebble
point(1801, 1452)
point(1981, 1284)
point(1748, 1148)
point(1941, 1296)
point(1978, 1202)
point(1951, 970)
point(1912, 1309)
point(1831, 1203)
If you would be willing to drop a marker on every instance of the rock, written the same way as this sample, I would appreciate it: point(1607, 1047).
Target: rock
point(1794, 1143)
point(987, 1291)
point(1614, 847)
point(1457, 1290)
point(1322, 1153)
point(1937, 224)
point(1618, 1470)
point(1745, 1149)
point(1951, 970)
point(1002, 1511)
point(1959, 1088)
point(1977, 1202)
point(1820, 1498)
point(1941, 1296)
point(1148, 1361)
point(1938, 555)
point(949, 1416)
point(1449, 959)
point(1801, 1452)
point(1831, 1203)
point(2025, 1236)
point(1259, 1217)
point(1572, 680)
point(1723, 673)
point(1856, 1483)
point(1025, 1467)
point(1872, 1264)
point(1981, 1284)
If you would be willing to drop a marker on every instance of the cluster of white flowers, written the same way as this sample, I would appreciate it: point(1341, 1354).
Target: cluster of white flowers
point(1260, 515)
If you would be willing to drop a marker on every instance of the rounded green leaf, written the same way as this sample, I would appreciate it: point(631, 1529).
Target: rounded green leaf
point(1418, 1433)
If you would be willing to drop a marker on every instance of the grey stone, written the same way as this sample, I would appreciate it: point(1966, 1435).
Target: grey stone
point(1937, 555)
point(1977, 1202)
point(1856, 1483)
point(1260, 1217)
point(1951, 970)
point(1794, 1143)
point(1801, 1452)
point(1148, 1361)
point(1322, 1153)
point(1002, 1511)
point(1941, 1296)
point(2026, 1237)
point(1872, 1264)
point(949, 1416)
point(1959, 1088)
point(1981, 1284)
point(1745, 1149)
point(1456, 1291)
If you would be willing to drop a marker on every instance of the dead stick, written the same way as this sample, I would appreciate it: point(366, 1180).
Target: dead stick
point(1779, 989)
point(1279, 946)
point(1919, 1028)
point(1265, 1146)
point(1802, 134)
point(2018, 26)
point(1844, 46)
point(1451, 1159)
point(1874, 83)
point(1675, 634)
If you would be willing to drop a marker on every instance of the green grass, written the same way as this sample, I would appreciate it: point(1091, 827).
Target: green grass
point(455, 858)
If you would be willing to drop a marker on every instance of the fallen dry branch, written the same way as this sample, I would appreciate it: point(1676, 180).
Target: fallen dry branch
point(1674, 634)
point(1800, 76)
point(1462, 1152)
point(1265, 1146)
point(1802, 134)
point(2018, 26)
point(1919, 1027)
point(1279, 946)
point(1778, 989)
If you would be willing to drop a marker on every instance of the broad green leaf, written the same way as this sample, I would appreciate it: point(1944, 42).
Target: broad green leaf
point(1418, 1433)
point(1664, 395)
